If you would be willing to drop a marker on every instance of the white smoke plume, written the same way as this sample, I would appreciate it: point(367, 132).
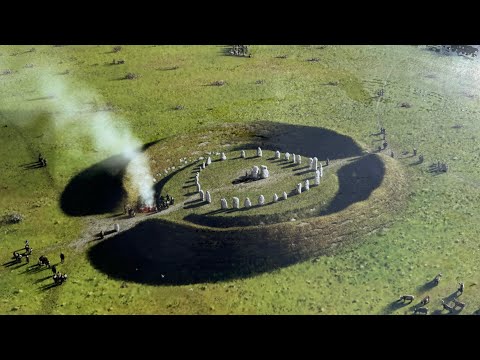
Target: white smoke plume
point(108, 132)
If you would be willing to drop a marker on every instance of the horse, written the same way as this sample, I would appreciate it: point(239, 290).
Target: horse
point(407, 298)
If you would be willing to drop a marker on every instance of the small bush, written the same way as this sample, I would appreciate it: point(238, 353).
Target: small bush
point(13, 218)
point(131, 76)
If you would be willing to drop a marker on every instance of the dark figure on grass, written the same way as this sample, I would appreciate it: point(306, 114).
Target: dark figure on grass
point(62, 258)
point(461, 287)
point(54, 269)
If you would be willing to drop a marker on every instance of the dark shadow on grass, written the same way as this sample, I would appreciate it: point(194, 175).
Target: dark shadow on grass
point(195, 204)
point(98, 189)
point(425, 287)
point(394, 306)
point(187, 255)
point(47, 287)
point(357, 181)
point(308, 141)
point(38, 281)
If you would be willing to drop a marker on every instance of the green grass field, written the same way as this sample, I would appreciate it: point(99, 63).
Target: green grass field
point(436, 231)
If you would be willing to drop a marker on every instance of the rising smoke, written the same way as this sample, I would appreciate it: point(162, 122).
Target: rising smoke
point(108, 132)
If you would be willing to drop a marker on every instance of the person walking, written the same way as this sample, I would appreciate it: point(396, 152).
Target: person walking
point(62, 258)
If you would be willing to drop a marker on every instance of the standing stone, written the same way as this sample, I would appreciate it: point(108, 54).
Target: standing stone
point(317, 177)
point(277, 154)
point(294, 158)
point(287, 156)
point(203, 165)
point(285, 195)
point(264, 172)
point(299, 160)
point(310, 162)
point(202, 195)
point(255, 172)
point(261, 200)
point(259, 152)
point(223, 203)
point(299, 188)
point(209, 160)
point(116, 227)
point(307, 185)
point(236, 202)
point(224, 157)
point(247, 203)
point(321, 170)
point(275, 197)
point(242, 154)
point(315, 164)
point(199, 187)
point(208, 197)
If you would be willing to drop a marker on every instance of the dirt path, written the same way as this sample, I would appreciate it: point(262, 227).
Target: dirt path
point(94, 225)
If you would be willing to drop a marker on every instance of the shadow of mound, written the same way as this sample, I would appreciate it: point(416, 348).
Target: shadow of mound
point(163, 253)
point(357, 181)
point(98, 189)
point(301, 139)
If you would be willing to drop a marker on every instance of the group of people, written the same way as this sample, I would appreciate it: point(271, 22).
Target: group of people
point(28, 251)
point(164, 202)
point(383, 132)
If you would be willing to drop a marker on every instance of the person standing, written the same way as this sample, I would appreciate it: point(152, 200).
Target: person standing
point(62, 258)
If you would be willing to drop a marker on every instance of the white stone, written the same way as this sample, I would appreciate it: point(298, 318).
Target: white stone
point(208, 197)
point(202, 195)
point(315, 164)
point(203, 165)
point(294, 158)
point(209, 160)
point(285, 195)
point(299, 159)
point(242, 154)
point(247, 203)
point(116, 227)
point(224, 157)
point(236, 202)
point(307, 185)
point(275, 197)
point(199, 187)
point(310, 163)
point(255, 172)
point(201, 158)
point(287, 156)
point(224, 204)
point(317, 177)
point(277, 154)
point(321, 170)
point(261, 200)
point(259, 152)
point(299, 188)
point(264, 172)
